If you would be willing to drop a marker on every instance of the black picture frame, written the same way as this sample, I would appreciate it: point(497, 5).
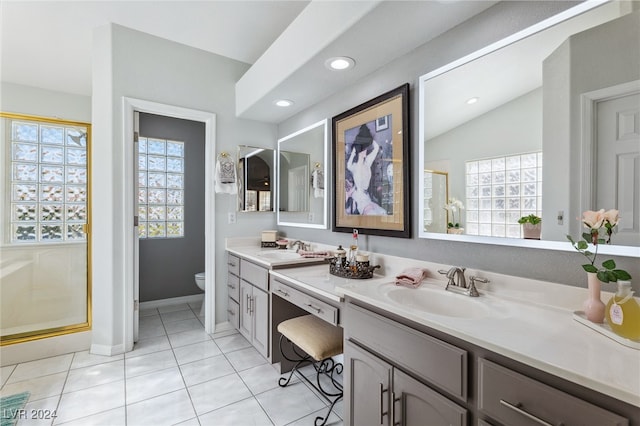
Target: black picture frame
point(371, 168)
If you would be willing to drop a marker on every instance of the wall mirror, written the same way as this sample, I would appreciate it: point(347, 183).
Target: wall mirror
point(302, 159)
point(512, 126)
point(256, 171)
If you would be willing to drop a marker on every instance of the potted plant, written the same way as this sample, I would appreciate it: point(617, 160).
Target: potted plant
point(454, 205)
point(531, 226)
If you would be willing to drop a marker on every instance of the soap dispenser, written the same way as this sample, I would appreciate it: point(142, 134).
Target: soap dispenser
point(341, 255)
point(623, 312)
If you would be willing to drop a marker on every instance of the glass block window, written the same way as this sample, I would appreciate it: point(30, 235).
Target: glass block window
point(49, 181)
point(500, 191)
point(160, 188)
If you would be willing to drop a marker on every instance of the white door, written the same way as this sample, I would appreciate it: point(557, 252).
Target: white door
point(298, 186)
point(618, 164)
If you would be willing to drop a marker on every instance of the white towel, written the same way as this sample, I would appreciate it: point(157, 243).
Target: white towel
point(225, 178)
point(317, 182)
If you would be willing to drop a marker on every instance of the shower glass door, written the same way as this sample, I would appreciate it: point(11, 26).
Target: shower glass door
point(44, 251)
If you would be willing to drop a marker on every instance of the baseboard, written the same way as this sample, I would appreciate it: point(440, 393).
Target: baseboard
point(44, 348)
point(224, 326)
point(107, 350)
point(194, 298)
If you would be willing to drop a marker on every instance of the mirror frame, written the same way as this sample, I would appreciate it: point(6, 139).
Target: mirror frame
point(325, 124)
point(628, 251)
point(244, 183)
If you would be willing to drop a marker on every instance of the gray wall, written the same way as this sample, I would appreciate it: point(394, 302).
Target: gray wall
point(612, 49)
point(513, 128)
point(138, 65)
point(490, 26)
point(167, 265)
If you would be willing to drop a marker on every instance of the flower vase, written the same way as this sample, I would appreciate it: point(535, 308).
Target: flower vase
point(594, 307)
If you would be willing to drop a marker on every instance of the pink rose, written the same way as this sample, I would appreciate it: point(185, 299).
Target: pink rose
point(611, 216)
point(593, 219)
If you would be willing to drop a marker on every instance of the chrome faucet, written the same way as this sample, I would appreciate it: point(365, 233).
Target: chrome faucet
point(301, 245)
point(460, 285)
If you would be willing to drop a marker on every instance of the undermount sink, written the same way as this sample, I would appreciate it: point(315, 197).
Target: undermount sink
point(437, 301)
point(279, 254)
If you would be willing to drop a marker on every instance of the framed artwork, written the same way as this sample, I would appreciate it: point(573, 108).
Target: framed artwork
point(371, 167)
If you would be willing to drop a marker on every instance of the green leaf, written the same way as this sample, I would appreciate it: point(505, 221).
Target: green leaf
point(587, 237)
point(609, 264)
point(588, 253)
point(602, 276)
point(622, 275)
point(611, 276)
point(589, 268)
point(570, 239)
point(601, 241)
point(582, 245)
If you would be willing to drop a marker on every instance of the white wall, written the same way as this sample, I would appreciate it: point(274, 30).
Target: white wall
point(488, 27)
point(137, 65)
point(19, 99)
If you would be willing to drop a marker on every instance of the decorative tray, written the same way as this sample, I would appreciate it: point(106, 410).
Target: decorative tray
point(605, 330)
point(361, 271)
point(268, 244)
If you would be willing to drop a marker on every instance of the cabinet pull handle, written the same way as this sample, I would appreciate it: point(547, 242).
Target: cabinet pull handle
point(231, 264)
point(315, 308)
point(230, 312)
point(247, 304)
point(393, 409)
point(251, 302)
point(518, 409)
point(231, 286)
point(382, 412)
point(284, 293)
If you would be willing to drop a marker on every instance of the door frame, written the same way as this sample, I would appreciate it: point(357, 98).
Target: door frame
point(589, 101)
point(131, 105)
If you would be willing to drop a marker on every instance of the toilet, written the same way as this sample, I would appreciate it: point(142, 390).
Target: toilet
point(200, 282)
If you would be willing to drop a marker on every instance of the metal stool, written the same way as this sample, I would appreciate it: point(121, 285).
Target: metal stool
point(320, 341)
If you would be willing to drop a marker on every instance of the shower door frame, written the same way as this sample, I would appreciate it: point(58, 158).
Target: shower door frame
point(70, 328)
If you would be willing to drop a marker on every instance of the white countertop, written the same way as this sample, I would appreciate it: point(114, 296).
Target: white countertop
point(530, 321)
point(249, 248)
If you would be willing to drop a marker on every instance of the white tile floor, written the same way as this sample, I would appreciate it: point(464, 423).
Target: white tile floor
point(177, 374)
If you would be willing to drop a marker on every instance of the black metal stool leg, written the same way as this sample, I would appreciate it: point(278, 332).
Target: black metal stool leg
point(327, 367)
point(302, 358)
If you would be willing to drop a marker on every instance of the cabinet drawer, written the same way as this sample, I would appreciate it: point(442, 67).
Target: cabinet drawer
point(437, 362)
point(254, 274)
point(233, 264)
point(309, 303)
point(512, 398)
point(233, 286)
point(233, 313)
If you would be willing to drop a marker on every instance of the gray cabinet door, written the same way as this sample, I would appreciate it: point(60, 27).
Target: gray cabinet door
point(246, 320)
point(260, 313)
point(367, 390)
point(415, 404)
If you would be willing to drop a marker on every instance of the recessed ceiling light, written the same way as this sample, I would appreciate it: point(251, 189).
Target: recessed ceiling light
point(283, 103)
point(473, 101)
point(339, 63)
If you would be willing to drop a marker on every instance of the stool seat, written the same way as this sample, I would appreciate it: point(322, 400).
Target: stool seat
point(316, 337)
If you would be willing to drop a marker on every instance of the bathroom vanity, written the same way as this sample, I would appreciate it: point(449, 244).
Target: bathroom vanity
point(514, 355)
point(249, 290)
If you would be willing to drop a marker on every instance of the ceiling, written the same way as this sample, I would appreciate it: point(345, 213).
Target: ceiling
point(260, 33)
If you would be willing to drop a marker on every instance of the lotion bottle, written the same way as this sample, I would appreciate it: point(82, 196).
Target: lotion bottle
point(623, 312)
